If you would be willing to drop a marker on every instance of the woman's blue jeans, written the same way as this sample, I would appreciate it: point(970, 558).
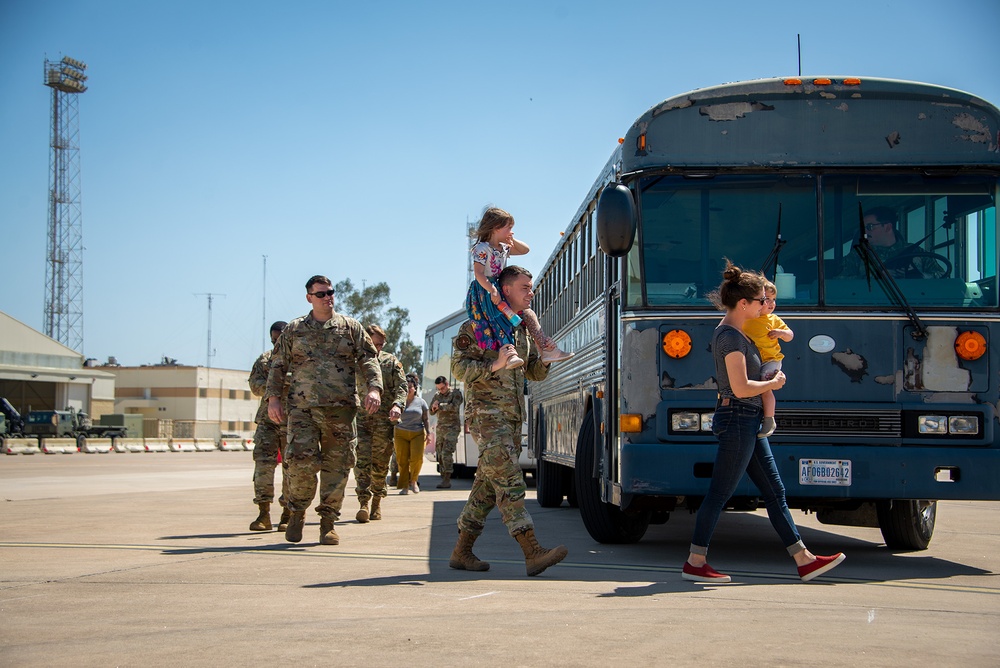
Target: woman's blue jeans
point(740, 451)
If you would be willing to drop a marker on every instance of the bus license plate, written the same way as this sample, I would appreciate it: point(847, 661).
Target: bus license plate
point(825, 472)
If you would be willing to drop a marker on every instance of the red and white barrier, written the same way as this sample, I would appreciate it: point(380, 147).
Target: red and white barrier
point(96, 445)
point(59, 446)
point(21, 446)
point(204, 444)
point(129, 445)
point(182, 445)
point(156, 444)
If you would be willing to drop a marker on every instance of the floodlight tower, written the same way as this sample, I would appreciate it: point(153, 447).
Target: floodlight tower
point(64, 248)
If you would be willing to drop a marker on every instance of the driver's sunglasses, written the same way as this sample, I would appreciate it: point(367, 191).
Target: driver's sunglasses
point(870, 226)
point(322, 293)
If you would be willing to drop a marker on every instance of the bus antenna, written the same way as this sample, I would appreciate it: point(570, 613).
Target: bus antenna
point(798, 38)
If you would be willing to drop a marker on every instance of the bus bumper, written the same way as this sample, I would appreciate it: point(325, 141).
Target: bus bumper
point(875, 472)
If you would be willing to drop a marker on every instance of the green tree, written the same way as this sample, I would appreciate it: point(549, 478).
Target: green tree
point(372, 305)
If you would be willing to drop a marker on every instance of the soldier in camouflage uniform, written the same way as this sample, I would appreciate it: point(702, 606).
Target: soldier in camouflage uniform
point(446, 404)
point(495, 411)
point(268, 441)
point(315, 366)
point(375, 432)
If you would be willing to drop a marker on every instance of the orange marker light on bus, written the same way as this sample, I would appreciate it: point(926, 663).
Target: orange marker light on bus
point(822, 82)
point(852, 81)
point(970, 345)
point(676, 343)
point(630, 423)
point(641, 142)
point(793, 82)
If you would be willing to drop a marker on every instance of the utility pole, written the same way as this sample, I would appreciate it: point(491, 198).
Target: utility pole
point(209, 354)
point(263, 309)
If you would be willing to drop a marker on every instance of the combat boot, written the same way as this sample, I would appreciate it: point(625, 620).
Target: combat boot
point(536, 557)
point(283, 522)
point(376, 513)
point(462, 558)
point(363, 515)
point(263, 521)
point(296, 522)
point(445, 481)
point(327, 534)
point(393, 479)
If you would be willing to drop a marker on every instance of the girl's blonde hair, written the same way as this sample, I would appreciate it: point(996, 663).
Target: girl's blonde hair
point(493, 219)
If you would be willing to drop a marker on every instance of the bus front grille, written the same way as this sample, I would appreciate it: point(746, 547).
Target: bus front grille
point(868, 424)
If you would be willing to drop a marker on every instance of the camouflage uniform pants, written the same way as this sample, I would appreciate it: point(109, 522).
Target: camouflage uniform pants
point(320, 440)
point(499, 481)
point(374, 449)
point(444, 446)
point(268, 441)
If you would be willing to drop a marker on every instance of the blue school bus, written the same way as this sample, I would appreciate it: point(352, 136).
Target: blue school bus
point(872, 205)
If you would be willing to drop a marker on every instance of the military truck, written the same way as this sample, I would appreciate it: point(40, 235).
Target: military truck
point(11, 422)
point(69, 424)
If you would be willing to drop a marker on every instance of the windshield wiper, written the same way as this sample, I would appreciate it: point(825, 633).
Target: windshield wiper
point(775, 250)
point(873, 264)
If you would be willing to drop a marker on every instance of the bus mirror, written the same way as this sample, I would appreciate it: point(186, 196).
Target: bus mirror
point(616, 221)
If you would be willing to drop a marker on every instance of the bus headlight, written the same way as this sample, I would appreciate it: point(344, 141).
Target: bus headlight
point(963, 424)
point(932, 424)
point(706, 421)
point(691, 422)
point(959, 425)
point(685, 421)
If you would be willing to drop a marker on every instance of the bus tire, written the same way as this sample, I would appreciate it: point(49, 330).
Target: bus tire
point(907, 524)
point(549, 484)
point(606, 523)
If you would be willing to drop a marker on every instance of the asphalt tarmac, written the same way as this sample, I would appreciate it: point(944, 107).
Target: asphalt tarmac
point(145, 559)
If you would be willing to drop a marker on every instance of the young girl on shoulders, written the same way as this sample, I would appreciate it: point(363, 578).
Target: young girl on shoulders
point(493, 321)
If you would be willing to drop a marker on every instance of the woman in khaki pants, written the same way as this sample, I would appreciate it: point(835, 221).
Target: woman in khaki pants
point(409, 436)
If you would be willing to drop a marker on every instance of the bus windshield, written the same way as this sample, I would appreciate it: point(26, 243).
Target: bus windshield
point(936, 236)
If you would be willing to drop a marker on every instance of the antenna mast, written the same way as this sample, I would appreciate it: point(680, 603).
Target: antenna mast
point(263, 309)
point(798, 38)
point(210, 353)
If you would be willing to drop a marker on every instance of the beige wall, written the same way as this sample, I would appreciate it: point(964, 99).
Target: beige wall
point(208, 401)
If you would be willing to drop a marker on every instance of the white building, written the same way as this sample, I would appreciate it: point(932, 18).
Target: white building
point(39, 373)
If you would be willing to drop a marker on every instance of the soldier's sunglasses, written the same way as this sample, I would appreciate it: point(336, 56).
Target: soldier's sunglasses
point(322, 293)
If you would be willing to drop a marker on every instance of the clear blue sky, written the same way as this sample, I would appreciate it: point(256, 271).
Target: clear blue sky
point(355, 139)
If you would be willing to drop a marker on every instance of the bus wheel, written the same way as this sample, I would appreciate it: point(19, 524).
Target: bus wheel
point(605, 523)
point(907, 524)
point(549, 484)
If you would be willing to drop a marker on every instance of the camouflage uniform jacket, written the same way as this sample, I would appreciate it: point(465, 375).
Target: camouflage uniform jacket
point(499, 393)
point(449, 404)
point(319, 362)
point(258, 384)
point(394, 382)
